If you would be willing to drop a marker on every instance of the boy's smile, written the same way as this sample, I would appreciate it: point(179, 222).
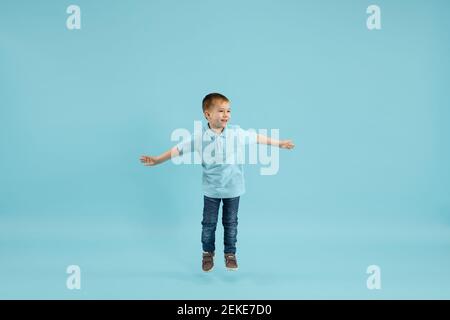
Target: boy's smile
point(218, 116)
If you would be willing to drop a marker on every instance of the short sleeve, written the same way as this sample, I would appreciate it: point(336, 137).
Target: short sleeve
point(247, 136)
point(185, 146)
point(191, 144)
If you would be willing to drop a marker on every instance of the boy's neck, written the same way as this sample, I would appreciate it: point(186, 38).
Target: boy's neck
point(216, 130)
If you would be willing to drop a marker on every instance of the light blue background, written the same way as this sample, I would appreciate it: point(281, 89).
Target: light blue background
point(368, 182)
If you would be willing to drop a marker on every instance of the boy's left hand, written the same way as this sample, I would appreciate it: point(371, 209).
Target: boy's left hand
point(287, 144)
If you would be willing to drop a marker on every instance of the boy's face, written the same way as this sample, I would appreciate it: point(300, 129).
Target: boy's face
point(218, 114)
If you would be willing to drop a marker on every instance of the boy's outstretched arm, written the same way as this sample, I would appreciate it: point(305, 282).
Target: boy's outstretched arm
point(284, 144)
point(151, 161)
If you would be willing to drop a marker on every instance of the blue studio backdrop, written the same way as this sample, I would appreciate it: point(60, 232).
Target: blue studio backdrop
point(366, 185)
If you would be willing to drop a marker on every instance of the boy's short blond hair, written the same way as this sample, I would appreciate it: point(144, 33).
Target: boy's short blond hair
point(209, 100)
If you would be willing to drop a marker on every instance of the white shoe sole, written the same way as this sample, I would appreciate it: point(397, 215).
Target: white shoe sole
point(232, 269)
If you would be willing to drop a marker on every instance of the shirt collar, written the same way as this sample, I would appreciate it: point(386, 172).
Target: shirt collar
point(209, 132)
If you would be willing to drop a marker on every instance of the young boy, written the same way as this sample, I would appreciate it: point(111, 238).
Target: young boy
point(222, 180)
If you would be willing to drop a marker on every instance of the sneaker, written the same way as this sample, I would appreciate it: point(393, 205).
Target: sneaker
point(208, 261)
point(231, 262)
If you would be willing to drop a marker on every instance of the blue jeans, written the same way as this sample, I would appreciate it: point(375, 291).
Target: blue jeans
point(230, 209)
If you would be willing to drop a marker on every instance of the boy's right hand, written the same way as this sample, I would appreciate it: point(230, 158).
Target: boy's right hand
point(149, 160)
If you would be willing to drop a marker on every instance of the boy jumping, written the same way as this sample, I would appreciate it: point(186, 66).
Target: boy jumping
point(222, 181)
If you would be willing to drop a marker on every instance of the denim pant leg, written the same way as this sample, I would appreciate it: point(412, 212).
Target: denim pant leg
point(209, 223)
point(230, 221)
